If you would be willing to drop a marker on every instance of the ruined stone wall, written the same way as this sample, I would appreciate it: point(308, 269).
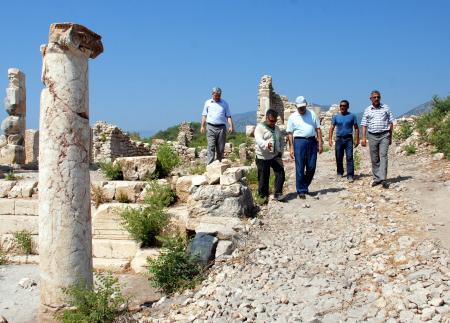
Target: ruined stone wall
point(110, 142)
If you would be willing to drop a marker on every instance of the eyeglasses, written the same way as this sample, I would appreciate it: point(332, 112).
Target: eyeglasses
point(271, 121)
point(343, 105)
point(375, 97)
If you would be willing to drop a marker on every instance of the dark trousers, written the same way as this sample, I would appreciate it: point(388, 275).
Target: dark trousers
point(305, 153)
point(345, 144)
point(264, 174)
point(216, 137)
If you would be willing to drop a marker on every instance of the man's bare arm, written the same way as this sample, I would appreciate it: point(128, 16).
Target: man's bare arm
point(203, 124)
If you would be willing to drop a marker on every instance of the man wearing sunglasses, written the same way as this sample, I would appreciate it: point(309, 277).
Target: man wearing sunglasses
point(378, 123)
point(269, 149)
point(344, 122)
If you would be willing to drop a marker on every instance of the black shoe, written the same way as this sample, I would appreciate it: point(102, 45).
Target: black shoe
point(301, 196)
point(375, 183)
point(279, 197)
point(385, 184)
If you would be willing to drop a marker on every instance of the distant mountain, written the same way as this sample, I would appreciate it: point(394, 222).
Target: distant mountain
point(419, 110)
point(240, 120)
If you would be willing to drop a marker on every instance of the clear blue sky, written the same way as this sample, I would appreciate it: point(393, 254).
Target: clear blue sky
point(162, 58)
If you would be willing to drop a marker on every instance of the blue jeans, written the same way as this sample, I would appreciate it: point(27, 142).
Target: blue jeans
point(345, 144)
point(305, 153)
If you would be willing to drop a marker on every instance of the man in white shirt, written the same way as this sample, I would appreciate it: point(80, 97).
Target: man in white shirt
point(216, 114)
point(305, 140)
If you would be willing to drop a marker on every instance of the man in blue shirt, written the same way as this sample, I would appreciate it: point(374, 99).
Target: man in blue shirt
point(216, 114)
point(344, 123)
point(305, 140)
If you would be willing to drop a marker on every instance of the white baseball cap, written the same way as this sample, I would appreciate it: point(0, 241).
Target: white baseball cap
point(300, 101)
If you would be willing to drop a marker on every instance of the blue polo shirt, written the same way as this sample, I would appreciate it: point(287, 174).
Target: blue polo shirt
point(216, 113)
point(344, 123)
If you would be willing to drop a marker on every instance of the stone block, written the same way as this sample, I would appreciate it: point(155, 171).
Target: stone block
point(250, 130)
point(219, 226)
point(130, 189)
point(114, 265)
point(139, 263)
point(114, 249)
point(231, 175)
point(204, 247)
point(106, 221)
point(31, 146)
point(12, 154)
point(198, 180)
point(5, 187)
point(14, 223)
point(23, 188)
point(228, 149)
point(183, 186)
point(224, 248)
point(7, 206)
point(26, 207)
point(109, 191)
point(214, 170)
point(137, 168)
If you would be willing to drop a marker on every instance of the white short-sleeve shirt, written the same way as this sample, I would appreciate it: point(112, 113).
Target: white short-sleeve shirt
point(216, 113)
point(303, 125)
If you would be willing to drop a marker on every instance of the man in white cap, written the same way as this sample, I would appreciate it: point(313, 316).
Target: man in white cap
point(305, 140)
point(216, 114)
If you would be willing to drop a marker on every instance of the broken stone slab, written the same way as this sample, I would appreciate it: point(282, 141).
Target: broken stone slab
point(214, 170)
point(26, 207)
point(224, 248)
point(106, 221)
point(183, 186)
point(234, 200)
point(137, 168)
point(203, 246)
point(23, 188)
point(5, 187)
point(438, 156)
point(218, 226)
point(12, 154)
point(31, 146)
point(139, 264)
point(198, 180)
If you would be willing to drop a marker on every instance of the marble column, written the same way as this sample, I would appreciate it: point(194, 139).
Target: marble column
point(65, 238)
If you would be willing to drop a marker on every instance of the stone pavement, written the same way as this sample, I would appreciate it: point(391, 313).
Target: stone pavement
point(351, 253)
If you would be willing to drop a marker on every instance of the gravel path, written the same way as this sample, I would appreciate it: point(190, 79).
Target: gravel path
point(352, 253)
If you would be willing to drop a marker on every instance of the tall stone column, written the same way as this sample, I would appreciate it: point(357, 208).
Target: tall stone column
point(65, 239)
point(11, 143)
point(264, 93)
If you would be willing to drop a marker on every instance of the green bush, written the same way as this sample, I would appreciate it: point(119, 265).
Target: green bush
point(11, 176)
point(3, 257)
point(102, 304)
point(111, 171)
point(197, 169)
point(159, 195)
point(403, 131)
point(174, 270)
point(438, 119)
point(167, 160)
point(145, 223)
point(23, 239)
point(410, 149)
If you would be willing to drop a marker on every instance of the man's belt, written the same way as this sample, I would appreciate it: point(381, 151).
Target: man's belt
point(378, 133)
point(216, 125)
point(305, 137)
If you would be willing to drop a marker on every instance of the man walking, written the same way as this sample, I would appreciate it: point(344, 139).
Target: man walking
point(305, 139)
point(269, 149)
point(216, 114)
point(344, 123)
point(377, 121)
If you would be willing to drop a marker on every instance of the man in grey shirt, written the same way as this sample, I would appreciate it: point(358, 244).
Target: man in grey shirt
point(216, 114)
point(378, 122)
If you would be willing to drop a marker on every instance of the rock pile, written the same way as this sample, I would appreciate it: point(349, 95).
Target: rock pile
point(185, 134)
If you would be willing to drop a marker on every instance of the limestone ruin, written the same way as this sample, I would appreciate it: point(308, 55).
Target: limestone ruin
point(12, 141)
point(65, 239)
point(185, 134)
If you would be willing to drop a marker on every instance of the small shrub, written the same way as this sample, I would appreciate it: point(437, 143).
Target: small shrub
point(252, 178)
point(3, 257)
point(410, 149)
point(97, 195)
point(144, 224)
point(356, 160)
point(403, 131)
point(111, 171)
point(11, 176)
point(23, 239)
point(122, 198)
point(101, 304)
point(167, 160)
point(160, 195)
point(197, 169)
point(174, 270)
point(102, 137)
